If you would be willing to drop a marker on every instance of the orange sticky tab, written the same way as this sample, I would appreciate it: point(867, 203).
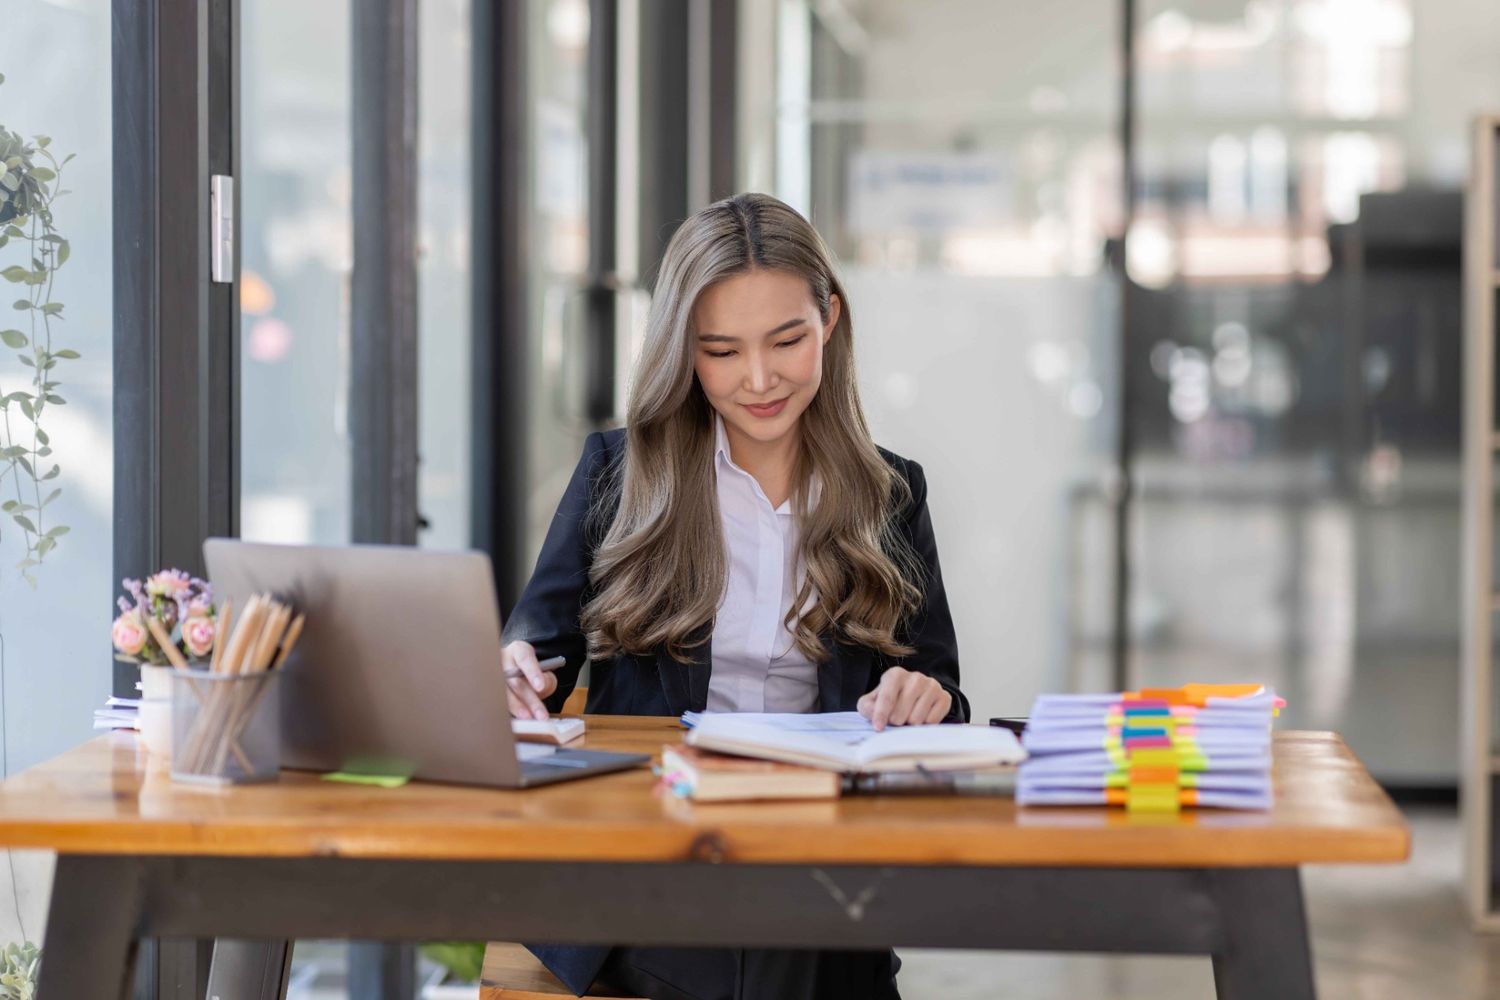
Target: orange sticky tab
point(1154, 775)
point(1198, 694)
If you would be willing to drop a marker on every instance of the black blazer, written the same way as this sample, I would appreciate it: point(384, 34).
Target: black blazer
point(547, 614)
point(547, 617)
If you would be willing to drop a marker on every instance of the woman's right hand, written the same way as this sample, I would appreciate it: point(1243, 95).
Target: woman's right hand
point(527, 689)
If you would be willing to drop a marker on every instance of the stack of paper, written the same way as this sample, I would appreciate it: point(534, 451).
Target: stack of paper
point(118, 713)
point(1154, 750)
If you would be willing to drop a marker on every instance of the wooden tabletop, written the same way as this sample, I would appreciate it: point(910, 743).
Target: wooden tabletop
point(105, 798)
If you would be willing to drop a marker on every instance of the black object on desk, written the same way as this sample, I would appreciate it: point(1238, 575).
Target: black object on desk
point(1015, 723)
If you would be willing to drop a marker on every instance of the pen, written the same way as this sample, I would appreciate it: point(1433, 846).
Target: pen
point(553, 663)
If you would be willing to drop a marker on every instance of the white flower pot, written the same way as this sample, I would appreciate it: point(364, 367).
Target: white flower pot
point(156, 683)
point(156, 727)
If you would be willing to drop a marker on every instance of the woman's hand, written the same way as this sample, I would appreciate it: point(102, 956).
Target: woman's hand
point(905, 698)
point(526, 690)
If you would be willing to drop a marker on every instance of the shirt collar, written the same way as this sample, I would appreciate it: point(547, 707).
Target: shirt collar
point(721, 440)
point(723, 460)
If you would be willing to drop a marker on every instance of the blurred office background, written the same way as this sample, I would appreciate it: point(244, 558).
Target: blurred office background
point(1164, 295)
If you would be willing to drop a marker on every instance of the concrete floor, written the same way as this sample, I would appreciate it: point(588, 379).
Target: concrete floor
point(1379, 933)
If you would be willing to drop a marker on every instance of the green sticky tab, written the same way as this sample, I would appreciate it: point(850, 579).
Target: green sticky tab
point(378, 780)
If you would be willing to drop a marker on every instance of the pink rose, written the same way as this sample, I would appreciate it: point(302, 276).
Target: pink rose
point(198, 636)
point(129, 633)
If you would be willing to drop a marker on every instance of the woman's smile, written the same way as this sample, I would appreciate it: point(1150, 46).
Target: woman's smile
point(766, 410)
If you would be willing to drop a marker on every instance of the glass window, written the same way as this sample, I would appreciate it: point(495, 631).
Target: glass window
point(559, 41)
point(296, 259)
point(56, 491)
point(443, 269)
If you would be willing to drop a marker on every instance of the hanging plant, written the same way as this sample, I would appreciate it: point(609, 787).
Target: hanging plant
point(30, 181)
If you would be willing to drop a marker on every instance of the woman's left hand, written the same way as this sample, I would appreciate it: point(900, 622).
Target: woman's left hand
point(905, 698)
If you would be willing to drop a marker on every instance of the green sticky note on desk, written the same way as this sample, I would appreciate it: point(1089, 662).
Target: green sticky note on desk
point(378, 780)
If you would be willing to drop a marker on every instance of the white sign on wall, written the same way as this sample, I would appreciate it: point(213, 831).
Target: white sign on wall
point(930, 192)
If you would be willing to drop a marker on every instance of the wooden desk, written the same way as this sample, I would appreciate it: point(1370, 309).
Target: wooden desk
point(604, 860)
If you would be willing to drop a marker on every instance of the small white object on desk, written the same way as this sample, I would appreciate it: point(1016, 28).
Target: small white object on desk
point(554, 731)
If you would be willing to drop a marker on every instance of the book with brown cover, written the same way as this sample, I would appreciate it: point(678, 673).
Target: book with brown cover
point(705, 776)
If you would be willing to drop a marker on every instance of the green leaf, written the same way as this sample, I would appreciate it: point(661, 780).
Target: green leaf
point(65, 159)
point(41, 436)
point(51, 497)
point(23, 304)
point(67, 353)
point(15, 273)
point(60, 530)
point(52, 308)
point(43, 141)
point(14, 451)
point(9, 506)
point(28, 408)
point(24, 522)
point(14, 230)
point(52, 473)
point(44, 451)
point(13, 338)
point(64, 251)
point(27, 361)
point(53, 397)
point(44, 546)
point(26, 464)
point(43, 174)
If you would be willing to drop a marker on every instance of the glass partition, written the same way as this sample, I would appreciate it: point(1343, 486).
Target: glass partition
point(967, 178)
point(1296, 357)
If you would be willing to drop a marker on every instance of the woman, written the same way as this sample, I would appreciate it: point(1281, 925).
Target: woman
point(742, 545)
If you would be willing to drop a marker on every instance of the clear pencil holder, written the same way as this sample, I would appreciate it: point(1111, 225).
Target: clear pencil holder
point(226, 728)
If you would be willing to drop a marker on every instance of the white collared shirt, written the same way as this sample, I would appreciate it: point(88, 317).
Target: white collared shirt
point(757, 666)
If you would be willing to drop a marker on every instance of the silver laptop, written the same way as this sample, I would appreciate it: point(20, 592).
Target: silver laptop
point(398, 669)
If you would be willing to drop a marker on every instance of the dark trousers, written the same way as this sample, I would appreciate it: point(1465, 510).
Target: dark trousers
point(752, 974)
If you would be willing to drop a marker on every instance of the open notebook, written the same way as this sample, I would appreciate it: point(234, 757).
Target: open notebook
point(845, 741)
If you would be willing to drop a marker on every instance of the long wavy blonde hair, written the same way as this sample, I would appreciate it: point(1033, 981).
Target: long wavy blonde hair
point(660, 571)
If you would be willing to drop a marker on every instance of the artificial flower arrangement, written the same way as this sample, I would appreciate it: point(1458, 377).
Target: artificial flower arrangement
point(175, 600)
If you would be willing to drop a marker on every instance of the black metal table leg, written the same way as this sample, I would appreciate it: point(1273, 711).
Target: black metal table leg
point(1265, 952)
point(92, 929)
